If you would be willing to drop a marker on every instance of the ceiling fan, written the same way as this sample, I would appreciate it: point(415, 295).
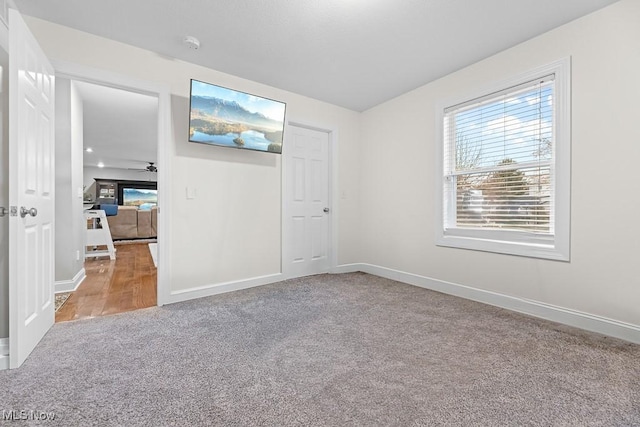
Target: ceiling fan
point(151, 167)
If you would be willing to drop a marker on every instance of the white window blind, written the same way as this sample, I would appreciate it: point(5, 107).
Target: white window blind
point(498, 160)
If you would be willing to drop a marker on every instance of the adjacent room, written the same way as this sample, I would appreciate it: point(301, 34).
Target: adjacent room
point(364, 213)
point(116, 132)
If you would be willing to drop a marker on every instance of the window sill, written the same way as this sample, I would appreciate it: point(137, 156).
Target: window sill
point(544, 250)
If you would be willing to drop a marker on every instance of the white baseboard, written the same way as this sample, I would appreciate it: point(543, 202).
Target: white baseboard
point(578, 319)
point(4, 353)
point(347, 268)
point(219, 288)
point(70, 285)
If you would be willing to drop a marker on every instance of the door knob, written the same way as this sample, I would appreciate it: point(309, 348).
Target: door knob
point(3, 211)
point(325, 210)
point(24, 211)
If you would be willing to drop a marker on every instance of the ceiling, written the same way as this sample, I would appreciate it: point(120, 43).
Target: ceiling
point(120, 127)
point(351, 53)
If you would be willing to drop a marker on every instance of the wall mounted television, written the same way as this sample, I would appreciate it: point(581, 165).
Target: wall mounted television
point(142, 194)
point(141, 198)
point(229, 118)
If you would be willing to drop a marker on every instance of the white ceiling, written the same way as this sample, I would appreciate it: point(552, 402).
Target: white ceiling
point(352, 53)
point(119, 126)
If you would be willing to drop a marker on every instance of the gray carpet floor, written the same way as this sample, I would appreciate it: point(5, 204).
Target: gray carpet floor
point(334, 350)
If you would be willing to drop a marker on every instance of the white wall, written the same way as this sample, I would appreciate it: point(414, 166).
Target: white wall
point(69, 218)
point(398, 181)
point(231, 230)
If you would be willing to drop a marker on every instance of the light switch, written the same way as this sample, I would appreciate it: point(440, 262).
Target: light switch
point(191, 193)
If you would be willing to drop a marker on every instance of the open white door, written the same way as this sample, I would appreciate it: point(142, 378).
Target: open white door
point(307, 210)
point(31, 186)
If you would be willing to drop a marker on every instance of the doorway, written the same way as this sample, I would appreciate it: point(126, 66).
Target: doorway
point(135, 253)
point(114, 132)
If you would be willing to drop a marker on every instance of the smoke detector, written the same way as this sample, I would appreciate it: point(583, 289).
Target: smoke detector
point(191, 42)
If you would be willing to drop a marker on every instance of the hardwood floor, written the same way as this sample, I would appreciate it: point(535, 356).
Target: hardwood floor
point(125, 284)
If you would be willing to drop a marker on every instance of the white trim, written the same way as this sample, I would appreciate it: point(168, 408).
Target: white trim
point(220, 288)
point(165, 132)
point(4, 353)
point(566, 316)
point(4, 342)
point(333, 197)
point(509, 242)
point(332, 244)
point(162, 92)
point(347, 268)
point(70, 285)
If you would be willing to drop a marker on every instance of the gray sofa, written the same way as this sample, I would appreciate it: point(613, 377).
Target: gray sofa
point(133, 223)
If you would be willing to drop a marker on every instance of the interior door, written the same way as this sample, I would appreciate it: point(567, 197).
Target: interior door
point(307, 210)
point(31, 188)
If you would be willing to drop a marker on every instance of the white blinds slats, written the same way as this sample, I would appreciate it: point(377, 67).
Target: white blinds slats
point(498, 157)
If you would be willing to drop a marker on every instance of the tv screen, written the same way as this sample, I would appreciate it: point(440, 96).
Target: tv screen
point(142, 198)
point(226, 117)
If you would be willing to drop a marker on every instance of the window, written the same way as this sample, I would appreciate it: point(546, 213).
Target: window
point(504, 167)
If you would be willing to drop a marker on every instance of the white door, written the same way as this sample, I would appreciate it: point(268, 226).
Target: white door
point(306, 208)
point(31, 184)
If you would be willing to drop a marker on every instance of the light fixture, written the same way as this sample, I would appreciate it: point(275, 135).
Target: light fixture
point(100, 165)
point(191, 42)
point(89, 150)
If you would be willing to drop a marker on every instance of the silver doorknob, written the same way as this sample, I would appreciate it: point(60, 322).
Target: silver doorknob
point(325, 210)
point(24, 211)
point(3, 211)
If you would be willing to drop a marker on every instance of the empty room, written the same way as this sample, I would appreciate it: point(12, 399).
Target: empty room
point(364, 212)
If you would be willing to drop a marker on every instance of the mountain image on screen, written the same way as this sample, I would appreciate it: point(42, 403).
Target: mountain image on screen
point(225, 122)
point(139, 197)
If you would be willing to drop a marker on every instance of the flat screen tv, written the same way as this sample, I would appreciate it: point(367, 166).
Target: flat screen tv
point(229, 118)
point(142, 198)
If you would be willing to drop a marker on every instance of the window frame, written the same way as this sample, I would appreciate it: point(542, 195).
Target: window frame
point(554, 246)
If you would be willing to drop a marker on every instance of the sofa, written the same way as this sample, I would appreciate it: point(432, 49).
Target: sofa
point(133, 223)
